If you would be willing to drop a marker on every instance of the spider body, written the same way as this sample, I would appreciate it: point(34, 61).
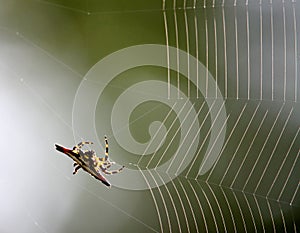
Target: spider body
point(89, 161)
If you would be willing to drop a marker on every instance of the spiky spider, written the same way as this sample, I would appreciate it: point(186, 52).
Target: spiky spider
point(89, 161)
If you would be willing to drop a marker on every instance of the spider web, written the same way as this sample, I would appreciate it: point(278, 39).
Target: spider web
point(253, 202)
point(262, 132)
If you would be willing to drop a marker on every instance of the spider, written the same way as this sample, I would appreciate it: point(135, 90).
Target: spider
point(89, 161)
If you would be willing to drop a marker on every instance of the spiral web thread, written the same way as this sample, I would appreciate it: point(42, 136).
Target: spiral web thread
point(266, 205)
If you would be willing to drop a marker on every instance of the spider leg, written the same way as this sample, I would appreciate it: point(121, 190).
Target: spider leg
point(113, 172)
point(80, 145)
point(102, 167)
point(76, 169)
point(75, 164)
point(108, 165)
point(106, 148)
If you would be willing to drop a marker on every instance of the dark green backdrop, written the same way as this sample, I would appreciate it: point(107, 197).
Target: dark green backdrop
point(248, 49)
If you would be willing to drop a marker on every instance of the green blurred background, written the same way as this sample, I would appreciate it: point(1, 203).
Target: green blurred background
point(251, 49)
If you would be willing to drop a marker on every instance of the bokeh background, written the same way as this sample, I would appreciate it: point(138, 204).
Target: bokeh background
point(48, 50)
